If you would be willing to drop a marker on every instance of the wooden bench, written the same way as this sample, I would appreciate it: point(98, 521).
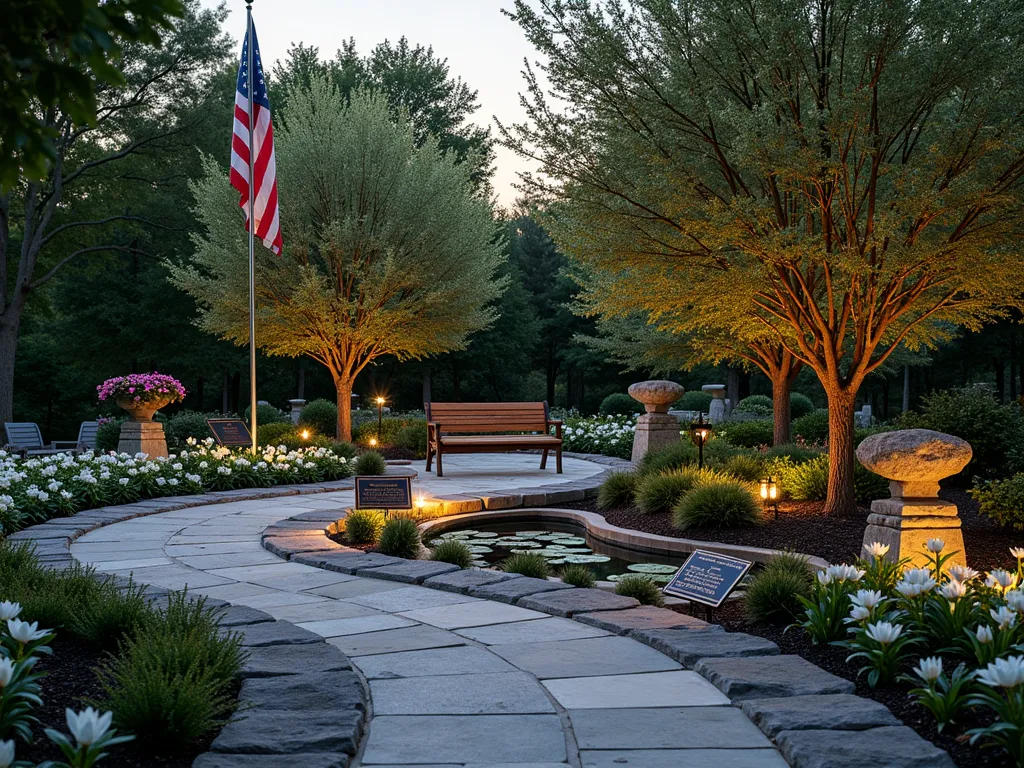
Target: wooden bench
point(474, 428)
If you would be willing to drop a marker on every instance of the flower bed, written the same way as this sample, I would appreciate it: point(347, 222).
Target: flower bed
point(36, 489)
point(606, 435)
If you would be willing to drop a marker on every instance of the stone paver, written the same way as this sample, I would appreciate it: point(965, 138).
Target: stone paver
point(841, 711)
point(466, 670)
point(485, 694)
point(893, 747)
point(770, 676)
point(465, 739)
point(654, 689)
point(585, 658)
point(666, 728)
point(688, 646)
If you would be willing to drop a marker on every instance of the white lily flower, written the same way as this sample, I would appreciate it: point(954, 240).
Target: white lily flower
point(884, 632)
point(1017, 552)
point(1004, 617)
point(962, 572)
point(88, 726)
point(1015, 599)
point(6, 672)
point(876, 549)
point(1003, 673)
point(859, 613)
point(867, 598)
point(840, 572)
point(929, 669)
point(915, 581)
point(9, 610)
point(953, 590)
point(23, 632)
point(935, 545)
point(6, 753)
point(984, 635)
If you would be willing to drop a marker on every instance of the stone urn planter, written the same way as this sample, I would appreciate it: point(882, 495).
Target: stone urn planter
point(656, 428)
point(717, 410)
point(142, 395)
point(914, 460)
point(143, 411)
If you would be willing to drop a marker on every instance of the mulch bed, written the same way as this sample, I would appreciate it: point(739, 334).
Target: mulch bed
point(833, 659)
point(70, 681)
point(802, 527)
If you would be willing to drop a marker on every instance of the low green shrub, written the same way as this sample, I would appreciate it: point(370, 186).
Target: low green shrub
point(619, 403)
point(799, 405)
point(808, 481)
point(659, 493)
point(797, 454)
point(813, 427)
point(617, 490)
point(185, 424)
point(773, 594)
point(345, 450)
point(395, 432)
point(108, 434)
point(675, 456)
point(114, 615)
point(527, 564)
point(760, 405)
point(718, 503)
point(578, 575)
point(173, 683)
point(743, 467)
point(267, 414)
point(321, 416)
point(364, 526)
point(694, 400)
point(748, 434)
point(453, 551)
point(1002, 500)
point(641, 587)
point(413, 437)
point(400, 538)
point(371, 463)
point(275, 433)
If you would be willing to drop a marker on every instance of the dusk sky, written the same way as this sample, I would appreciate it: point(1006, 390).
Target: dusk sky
point(483, 46)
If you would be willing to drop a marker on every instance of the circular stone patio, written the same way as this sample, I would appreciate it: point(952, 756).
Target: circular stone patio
point(455, 679)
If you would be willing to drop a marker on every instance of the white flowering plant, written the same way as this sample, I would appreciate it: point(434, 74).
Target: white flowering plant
point(36, 489)
point(944, 617)
point(606, 435)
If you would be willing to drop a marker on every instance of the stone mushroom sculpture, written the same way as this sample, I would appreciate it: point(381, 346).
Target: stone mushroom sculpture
point(656, 428)
point(914, 460)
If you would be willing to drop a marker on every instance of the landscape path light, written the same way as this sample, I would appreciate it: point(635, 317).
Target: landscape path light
point(380, 416)
point(770, 494)
point(700, 433)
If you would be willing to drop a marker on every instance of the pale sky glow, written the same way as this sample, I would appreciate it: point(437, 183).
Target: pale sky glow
point(483, 47)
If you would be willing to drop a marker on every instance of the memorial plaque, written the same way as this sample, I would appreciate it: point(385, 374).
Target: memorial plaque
point(230, 432)
point(707, 578)
point(376, 492)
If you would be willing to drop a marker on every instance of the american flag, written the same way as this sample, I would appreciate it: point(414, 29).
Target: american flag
point(265, 211)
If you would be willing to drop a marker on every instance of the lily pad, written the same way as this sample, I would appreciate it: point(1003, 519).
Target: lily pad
point(485, 535)
point(587, 559)
point(457, 535)
point(525, 544)
point(436, 542)
point(652, 568)
point(530, 534)
point(480, 549)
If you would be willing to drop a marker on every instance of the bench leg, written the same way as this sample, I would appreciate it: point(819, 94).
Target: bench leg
point(544, 458)
point(430, 456)
point(558, 460)
point(440, 471)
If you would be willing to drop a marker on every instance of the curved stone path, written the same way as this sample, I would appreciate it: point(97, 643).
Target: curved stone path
point(454, 679)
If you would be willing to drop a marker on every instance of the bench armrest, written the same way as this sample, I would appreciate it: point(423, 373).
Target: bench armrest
point(557, 424)
point(61, 444)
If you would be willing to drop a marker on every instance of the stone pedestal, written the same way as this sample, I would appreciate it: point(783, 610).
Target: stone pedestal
point(657, 428)
point(654, 431)
point(717, 411)
point(143, 437)
point(914, 460)
point(296, 409)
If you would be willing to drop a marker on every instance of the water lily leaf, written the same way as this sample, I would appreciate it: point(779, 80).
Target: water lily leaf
point(485, 535)
point(588, 559)
point(529, 534)
point(652, 568)
point(436, 542)
point(480, 549)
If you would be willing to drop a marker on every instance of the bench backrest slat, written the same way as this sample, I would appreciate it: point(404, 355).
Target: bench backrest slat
point(489, 417)
point(87, 433)
point(24, 434)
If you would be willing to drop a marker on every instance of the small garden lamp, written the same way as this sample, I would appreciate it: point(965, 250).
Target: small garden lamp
point(304, 434)
point(373, 442)
point(380, 417)
point(770, 494)
point(700, 433)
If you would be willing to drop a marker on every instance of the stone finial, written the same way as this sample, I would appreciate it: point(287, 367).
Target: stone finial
point(656, 395)
point(914, 459)
point(717, 391)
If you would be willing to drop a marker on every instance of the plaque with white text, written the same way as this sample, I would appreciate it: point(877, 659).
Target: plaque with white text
point(230, 432)
point(707, 578)
point(376, 492)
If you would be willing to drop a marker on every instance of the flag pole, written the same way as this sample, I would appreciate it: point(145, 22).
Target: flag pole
point(252, 225)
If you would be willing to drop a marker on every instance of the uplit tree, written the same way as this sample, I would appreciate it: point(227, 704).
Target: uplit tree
point(387, 250)
point(847, 173)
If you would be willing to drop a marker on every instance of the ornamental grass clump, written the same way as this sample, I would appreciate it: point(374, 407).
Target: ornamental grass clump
point(527, 564)
point(453, 551)
point(617, 491)
point(364, 526)
point(640, 587)
point(718, 502)
point(371, 463)
point(772, 596)
point(659, 493)
point(400, 538)
point(578, 575)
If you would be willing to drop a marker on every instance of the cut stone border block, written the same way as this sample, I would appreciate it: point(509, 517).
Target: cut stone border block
point(569, 602)
point(464, 580)
point(275, 733)
point(892, 747)
point(688, 646)
point(408, 571)
point(309, 760)
point(510, 591)
point(639, 619)
point(770, 676)
point(840, 712)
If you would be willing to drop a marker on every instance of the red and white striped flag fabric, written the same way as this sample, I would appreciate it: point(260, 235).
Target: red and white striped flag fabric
point(265, 211)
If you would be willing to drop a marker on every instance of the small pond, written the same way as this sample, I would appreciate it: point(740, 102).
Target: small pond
point(560, 544)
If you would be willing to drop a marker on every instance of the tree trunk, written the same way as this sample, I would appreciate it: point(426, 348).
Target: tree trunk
point(732, 387)
point(885, 398)
point(426, 388)
point(1013, 366)
point(9, 324)
point(840, 500)
point(906, 388)
point(225, 396)
point(782, 384)
point(343, 389)
point(999, 367)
